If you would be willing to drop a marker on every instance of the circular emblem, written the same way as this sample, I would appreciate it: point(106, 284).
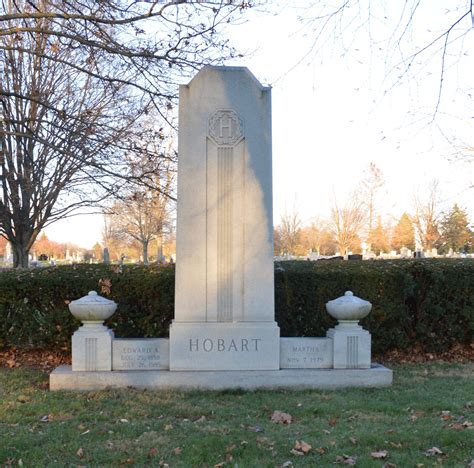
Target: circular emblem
point(226, 127)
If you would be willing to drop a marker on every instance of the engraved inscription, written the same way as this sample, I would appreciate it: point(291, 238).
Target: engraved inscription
point(140, 354)
point(220, 345)
point(226, 128)
point(301, 353)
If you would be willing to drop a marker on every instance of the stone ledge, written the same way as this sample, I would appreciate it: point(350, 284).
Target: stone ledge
point(62, 378)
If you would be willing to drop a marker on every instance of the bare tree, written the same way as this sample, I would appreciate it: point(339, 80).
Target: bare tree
point(289, 231)
point(76, 79)
point(145, 215)
point(318, 237)
point(347, 222)
point(394, 33)
point(426, 218)
point(369, 188)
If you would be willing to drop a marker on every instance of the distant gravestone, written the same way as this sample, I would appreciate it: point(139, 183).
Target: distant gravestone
point(224, 305)
point(106, 256)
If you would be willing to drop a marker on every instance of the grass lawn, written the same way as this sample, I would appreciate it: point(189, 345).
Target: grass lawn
point(423, 420)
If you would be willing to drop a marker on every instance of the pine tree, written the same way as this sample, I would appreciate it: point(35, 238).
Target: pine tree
point(378, 238)
point(456, 233)
point(404, 233)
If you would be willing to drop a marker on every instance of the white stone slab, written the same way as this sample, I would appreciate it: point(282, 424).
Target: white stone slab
point(224, 244)
point(224, 346)
point(63, 378)
point(140, 354)
point(305, 353)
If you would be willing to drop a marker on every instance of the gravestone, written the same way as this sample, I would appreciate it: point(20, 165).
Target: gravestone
point(224, 300)
point(224, 333)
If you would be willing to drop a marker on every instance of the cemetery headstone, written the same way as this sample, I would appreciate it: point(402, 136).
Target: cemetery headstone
point(224, 301)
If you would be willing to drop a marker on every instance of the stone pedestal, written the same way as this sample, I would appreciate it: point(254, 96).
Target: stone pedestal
point(351, 346)
point(92, 348)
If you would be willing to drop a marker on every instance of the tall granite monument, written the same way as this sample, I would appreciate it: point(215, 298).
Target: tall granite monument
point(224, 300)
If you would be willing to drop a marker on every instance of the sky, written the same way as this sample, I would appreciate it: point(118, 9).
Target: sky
point(343, 98)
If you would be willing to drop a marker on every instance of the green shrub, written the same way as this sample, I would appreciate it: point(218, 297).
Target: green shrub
point(424, 302)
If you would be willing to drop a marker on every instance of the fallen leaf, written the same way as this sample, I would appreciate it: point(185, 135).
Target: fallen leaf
point(286, 464)
point(45, 418)
point(302, 446)
point(153, 452)
point(326, 431)
point(80, 452)
point(177, 451)
point(389, 465)
point(109, 444)
point(346, 459)
point(446, 415)
point(353, 440)
point(82, 427)
point(23, 398)
point(85, 432)
point(320, 450)
point(433, 451)
point(297, 452)
point(201, 419)
point(231, 447)
point(396, 444)
point(219, 465)
point(279, 417)
point(168, 427)
point(123, 420)
point(379, 454)
point(332, 421)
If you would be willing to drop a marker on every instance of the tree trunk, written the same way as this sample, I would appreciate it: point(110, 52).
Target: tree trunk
point(145, 252)
point(20, 256)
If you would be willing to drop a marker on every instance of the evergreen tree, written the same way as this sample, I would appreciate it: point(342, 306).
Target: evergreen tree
point(456, 233)
point(378, 238)
point(404, 233)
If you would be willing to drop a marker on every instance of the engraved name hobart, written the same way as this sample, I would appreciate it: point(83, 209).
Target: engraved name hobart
point(226, 127)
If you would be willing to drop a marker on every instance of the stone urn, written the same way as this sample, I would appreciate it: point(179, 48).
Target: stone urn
point(92, 310)
point(348, 309)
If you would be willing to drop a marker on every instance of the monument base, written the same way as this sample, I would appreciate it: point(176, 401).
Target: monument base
point(63, 378)
point(224, 346)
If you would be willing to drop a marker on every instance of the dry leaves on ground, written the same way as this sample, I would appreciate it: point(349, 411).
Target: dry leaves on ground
point(279, 417)
point(380, 454)
point(301, 448)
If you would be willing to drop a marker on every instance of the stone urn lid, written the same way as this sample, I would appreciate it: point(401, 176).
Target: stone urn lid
point(92, 308)
point(348, 307)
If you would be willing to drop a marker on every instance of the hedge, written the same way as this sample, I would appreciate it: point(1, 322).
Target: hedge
point(429, 303)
